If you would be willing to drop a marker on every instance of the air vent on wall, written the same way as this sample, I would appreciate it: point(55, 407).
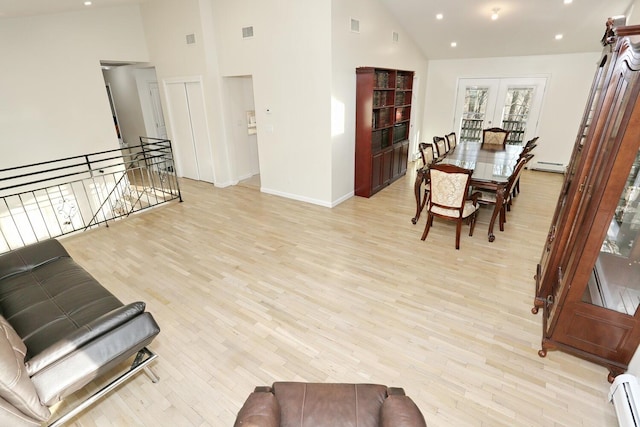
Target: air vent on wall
point(355, 25)
point(395, 36)
point(191, 38)
point(247, 32)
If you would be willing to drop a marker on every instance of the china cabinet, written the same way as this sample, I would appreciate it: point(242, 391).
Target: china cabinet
point(588, 279)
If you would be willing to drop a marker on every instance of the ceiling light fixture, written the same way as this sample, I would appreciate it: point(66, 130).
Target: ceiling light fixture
point(87, 3)
point(454, 44)
point(439, 16)
point(568, 1)
point(558, 36)
point(495, 15)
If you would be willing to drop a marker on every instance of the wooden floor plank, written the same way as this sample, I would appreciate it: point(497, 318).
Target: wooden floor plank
point(250, 288)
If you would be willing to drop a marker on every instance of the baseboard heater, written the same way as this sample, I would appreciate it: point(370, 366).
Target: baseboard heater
point(625, 396)
point(548, 167)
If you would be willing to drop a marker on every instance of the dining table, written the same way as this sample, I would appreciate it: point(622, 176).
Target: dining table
point(492, 167)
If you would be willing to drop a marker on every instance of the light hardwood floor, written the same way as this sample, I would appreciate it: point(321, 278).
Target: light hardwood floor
point(251, 288)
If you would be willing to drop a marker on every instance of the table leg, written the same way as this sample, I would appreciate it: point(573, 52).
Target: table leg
point(496, 211)
point(417, 187)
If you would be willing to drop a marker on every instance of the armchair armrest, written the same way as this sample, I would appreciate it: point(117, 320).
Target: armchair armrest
point(261, 409)
point(474, 197)
point(399, 410)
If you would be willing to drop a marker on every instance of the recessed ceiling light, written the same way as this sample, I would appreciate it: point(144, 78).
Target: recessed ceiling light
point(87, 3)
point(439, 16)
point(495, 15)
point(568, 1)
point(454, 44)
point(558, 36)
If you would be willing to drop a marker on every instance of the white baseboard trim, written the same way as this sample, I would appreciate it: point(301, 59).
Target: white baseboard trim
point(307, 199)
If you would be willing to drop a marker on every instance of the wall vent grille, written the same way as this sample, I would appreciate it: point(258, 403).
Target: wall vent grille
point(191, 38)
point(355, 25)
point(247, 32)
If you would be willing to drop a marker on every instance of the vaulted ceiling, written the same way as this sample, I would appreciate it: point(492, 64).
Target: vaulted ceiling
point(524, 27)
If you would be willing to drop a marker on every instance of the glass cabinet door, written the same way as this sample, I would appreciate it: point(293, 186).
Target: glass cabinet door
point(615, 280)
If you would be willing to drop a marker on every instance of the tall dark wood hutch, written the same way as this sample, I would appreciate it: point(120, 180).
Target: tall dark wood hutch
point(588, 279)
point(383, 113)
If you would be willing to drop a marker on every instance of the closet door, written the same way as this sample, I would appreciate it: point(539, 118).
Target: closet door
point(189, 130)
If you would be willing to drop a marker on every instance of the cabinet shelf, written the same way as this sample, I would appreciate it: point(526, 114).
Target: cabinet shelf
point(383, 113)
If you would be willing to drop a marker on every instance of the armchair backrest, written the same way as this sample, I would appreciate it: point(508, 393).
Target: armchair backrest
point(441, 145)
point(427, 153)
point(449, 186)
point(494, 137)
point(19, 399)
point(451, 140)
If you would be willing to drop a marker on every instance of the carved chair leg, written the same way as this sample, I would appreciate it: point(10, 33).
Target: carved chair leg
point(472, 223)
point(427, 226)
point(458, 229)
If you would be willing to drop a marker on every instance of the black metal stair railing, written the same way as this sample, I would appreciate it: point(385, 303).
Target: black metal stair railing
point(58, 197)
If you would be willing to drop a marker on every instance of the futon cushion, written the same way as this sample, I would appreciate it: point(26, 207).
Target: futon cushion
point(50, 300)
point(16, 387)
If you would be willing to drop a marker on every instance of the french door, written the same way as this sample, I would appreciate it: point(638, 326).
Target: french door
point(513, 104)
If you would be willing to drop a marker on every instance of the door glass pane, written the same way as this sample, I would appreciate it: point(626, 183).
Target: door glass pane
point(516, 113)
point(473, 115)
point(615, 280)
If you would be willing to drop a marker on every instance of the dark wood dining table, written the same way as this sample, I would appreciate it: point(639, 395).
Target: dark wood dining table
point(491, 167)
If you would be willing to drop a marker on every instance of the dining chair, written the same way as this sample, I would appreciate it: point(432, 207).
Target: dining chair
point(427, 153)
point(516, 185)
point(489, 197)
point(441, 145)
point(451, 140)
point(494, 138)
point(428, 157)
point(449, 198)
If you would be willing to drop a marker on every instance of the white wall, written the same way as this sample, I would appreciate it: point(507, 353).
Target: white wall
point(289, 59)
point(166, 24)
point(53, 101)
point(568, 85)
point(373, 46)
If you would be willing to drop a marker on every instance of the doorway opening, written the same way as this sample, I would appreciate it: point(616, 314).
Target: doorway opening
point(243, 130)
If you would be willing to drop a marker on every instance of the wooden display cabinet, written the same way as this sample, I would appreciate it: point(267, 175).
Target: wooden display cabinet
point(588, 279)
point(383, 120)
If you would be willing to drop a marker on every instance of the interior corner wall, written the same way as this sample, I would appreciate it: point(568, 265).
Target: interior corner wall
point(54, 103)
point(289, 59)
point(569, 79)
point(372, 46)
point(167, 24)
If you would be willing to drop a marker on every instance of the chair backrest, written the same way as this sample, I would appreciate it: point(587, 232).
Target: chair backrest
point(532, 142)
point(494, 137)
point(522, 161)
point(451, 140)
point(427, 153)
point(441, 145)
point(449, 186)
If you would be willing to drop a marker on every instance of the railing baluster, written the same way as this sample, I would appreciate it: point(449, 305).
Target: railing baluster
point(123, 185)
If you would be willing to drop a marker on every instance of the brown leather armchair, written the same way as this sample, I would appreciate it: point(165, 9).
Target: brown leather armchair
point(297, 404)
